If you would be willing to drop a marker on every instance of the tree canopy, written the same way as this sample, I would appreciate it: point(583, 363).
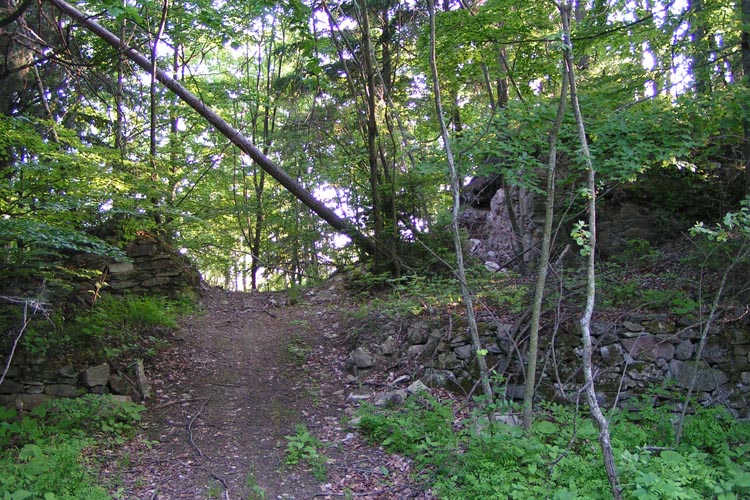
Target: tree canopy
point(336, 97)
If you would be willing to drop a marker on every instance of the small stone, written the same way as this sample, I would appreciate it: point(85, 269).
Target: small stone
point(388, 347)
point(68, 371)
point(683, 321)
point(684, 350)
point(464, 352)
point(415, 351)
point(119, 385)
point(394, 398)
point(96, 375)
point(120, 267)
point(492, 266)
point(632, 326)
point(745, 378)
point(64, 391)
point(122, 399)
point(416, 387)
point(509, 419)
point(361, 358)
point(708, 379)
point(401, 380)
point(417, 335)
point(715, 354)
point(10, 387)
point(601, 327)
point(356, 398)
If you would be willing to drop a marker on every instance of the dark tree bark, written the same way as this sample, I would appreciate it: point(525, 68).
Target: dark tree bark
point(234, 135)
point(700, 50)
point(745, 46)
point(372, 131)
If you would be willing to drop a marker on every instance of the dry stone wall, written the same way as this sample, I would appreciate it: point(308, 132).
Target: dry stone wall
point(632, 356)
point(32, 380)
point(156, 267)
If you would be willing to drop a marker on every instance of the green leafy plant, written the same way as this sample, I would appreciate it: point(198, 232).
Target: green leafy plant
point(114, 327)
point(422, 428)
point(303, 447)
point(41, 453)
point(559, 459)
point(256, 491)
point(638, 252)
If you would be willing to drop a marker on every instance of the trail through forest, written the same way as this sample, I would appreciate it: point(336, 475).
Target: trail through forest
point(241, 375)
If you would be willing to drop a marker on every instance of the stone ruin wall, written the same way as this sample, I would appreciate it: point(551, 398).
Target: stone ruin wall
point(156, 268)
point(631, 356)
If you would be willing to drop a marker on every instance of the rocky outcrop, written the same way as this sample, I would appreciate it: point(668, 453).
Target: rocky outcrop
point(632, 356)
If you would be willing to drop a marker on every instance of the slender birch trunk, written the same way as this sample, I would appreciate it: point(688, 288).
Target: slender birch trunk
point(460, 270)
point(596, 412)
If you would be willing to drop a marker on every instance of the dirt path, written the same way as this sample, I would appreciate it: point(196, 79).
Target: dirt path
point(249, 369)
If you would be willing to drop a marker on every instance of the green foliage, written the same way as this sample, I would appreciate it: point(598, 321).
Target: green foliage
point(560, 458)
point(421, 429)
point(256, 491)
point(41, 453)
point(303, 447)
point(297, 350)
point(638, 252)
point(37, 251)
point(415, 294)
point(619, 286)
point(729, 237)
point(582, 237)
point(114, 327)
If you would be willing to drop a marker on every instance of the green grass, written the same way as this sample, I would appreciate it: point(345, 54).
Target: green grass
point(114, 328)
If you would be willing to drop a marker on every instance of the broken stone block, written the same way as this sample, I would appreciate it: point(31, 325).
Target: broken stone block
point(361, 358)
point(141, 381)
point(96, 375)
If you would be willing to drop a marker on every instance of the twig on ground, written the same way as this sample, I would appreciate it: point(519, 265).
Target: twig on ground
point(190, 428)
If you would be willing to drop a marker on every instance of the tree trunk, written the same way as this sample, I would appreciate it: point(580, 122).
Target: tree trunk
point(700, 66)
point(372, 132)
point(455, 187)
point(528, 396)
point(235, 136)
point(745, 46)
point(119, 96)
point(596, 412)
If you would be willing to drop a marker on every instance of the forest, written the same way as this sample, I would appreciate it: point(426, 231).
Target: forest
point(482, 143)
point(339, 99)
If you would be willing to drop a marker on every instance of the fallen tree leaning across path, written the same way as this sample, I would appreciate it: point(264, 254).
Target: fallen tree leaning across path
point(235, 136)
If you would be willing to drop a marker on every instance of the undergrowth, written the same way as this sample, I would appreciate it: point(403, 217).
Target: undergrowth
point(304, 447)
point(560, 458)
point(42, 452)
point(113, 328)
point(414, 294)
